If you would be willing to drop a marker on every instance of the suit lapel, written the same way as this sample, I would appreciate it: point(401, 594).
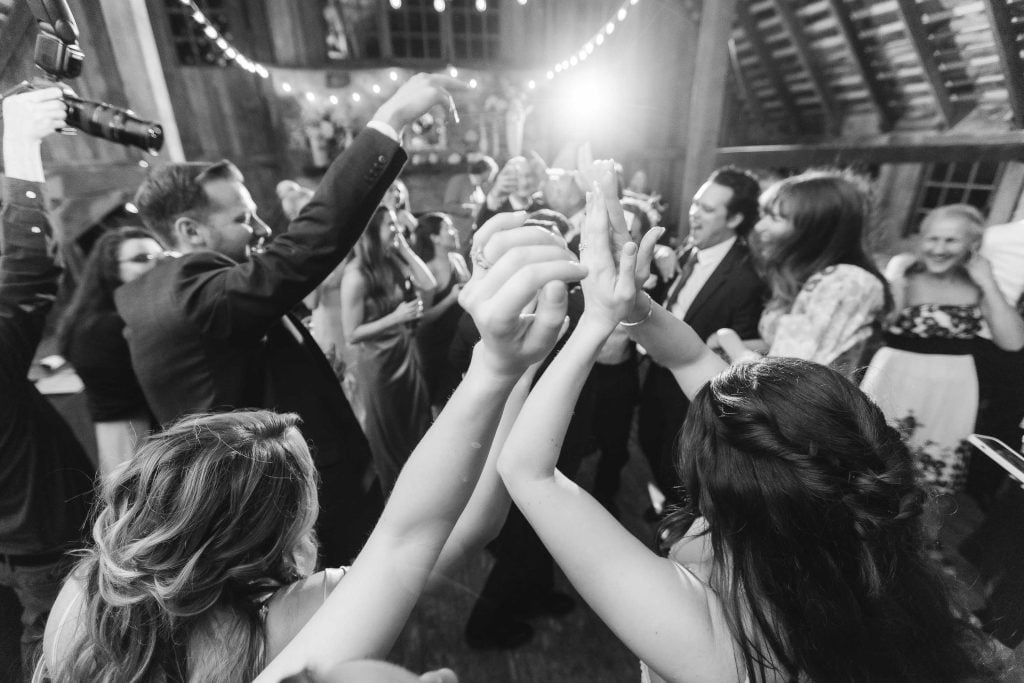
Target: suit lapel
point(719, 277)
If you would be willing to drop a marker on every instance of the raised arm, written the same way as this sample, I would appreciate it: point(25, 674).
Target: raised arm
point(28, 273)
point(254, 294)
point(1003, 320)
point(636, 593)
point(364, 614)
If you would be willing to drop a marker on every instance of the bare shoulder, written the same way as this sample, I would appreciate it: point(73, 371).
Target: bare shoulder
point(65, 619)
point(292, 606)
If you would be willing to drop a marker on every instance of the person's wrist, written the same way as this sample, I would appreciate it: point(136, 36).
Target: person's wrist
point(594, 326)
point(494, 368)
point(643, 307)
point(389, 117)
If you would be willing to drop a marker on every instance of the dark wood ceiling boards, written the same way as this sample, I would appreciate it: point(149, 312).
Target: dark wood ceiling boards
point(847, 68)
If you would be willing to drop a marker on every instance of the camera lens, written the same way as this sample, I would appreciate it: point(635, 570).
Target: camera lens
point(115, 124)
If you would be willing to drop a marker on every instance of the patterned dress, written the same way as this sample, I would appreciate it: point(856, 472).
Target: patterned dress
point(925, 382)
point(831, 319)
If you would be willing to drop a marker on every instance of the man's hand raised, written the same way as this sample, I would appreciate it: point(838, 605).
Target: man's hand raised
point(416, 97)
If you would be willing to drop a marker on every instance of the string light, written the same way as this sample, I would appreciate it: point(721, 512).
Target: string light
point(230, 53)
point(481, 5)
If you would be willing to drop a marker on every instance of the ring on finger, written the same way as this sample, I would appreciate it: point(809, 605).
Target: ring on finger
point(480, 260)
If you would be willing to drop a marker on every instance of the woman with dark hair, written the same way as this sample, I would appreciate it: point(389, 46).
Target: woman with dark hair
point(437, 243)
point(200, 567)
point(382, 290)
point(924, 379)
point(91, 337)
point(827, 296)
point(804, 560)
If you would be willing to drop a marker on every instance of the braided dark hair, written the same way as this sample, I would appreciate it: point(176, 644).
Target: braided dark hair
point(814, 517)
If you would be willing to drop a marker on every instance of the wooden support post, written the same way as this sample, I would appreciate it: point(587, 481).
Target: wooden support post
point(805, 55)
point(18, 22)
point(887, 114)
point(1008, 48)
point(138, 60)
point(706, 96)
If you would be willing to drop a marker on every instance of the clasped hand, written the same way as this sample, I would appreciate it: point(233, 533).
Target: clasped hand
point(517, 294)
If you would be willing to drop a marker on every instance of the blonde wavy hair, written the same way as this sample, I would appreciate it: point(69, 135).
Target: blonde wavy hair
point(190, 537)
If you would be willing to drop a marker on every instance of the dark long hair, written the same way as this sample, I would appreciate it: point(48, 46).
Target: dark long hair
point(378, 268)
point(427, 226)
point(94, 293)
point(829, 212)
point(189, 538)
point(814, 520)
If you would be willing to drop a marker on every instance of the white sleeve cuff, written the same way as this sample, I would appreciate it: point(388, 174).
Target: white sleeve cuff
point(384, 129)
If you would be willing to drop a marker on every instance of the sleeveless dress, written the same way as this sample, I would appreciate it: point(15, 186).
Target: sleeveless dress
point(388, 392)
point(925, 382)
point(433, 340)
point(831, 320)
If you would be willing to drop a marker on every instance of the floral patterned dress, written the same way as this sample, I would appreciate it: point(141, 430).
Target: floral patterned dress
point(831, 319)
point(925, 382)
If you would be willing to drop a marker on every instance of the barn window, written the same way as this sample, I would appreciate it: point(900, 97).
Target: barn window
point(955, 183)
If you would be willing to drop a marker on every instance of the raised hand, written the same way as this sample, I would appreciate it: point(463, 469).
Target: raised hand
point(609, 289)
point(416, 97)
point(518, 268)
point(31, 116)
point(980, 270)
point(408, 311)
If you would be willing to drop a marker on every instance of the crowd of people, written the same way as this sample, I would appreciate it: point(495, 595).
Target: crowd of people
point(275, 491)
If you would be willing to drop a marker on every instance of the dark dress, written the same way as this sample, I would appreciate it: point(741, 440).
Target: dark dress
point(433, 340)
point(389, 393)
point(99, 353)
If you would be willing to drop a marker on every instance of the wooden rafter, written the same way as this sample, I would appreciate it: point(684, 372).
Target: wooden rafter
point(911, 15)
point(793, 29)
point(887, 114)
point(1008, 48)
point(746, 92)
point(764, 56)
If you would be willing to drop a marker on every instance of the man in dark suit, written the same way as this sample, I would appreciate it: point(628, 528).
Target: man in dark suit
point(211, 330)
point(713, 286)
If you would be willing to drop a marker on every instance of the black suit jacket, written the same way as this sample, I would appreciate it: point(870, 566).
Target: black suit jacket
point(209, 334)
point(732, 297)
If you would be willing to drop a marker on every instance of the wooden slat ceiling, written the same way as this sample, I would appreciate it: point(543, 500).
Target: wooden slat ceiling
point(857, 67)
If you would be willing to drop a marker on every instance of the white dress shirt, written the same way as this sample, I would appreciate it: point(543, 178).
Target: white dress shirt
point(707, 260)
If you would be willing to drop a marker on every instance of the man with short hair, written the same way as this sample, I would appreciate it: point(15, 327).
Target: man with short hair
point(211, 330)
point(714, 286)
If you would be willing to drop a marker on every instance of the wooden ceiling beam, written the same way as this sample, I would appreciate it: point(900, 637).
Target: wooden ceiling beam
point(746, 92)
point(918, 34)
point(764, 56)
point(881, 150)
point(877, 92)
point(793, 29)
point(1008, 48)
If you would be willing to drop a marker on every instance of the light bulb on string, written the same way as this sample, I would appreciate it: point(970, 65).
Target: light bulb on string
point(573, 61)
point(287, 87)
point(376, 89)
point(310, 97)
point(453, 72)
point(210, 32)
point(222, 44)
point(531, 85)
point(439, 5)
point(333, 99)
point(550, 75)
point(396, 4)
point(198, 17)
point(599, 39)
point(473, 83)
point(481, 5)
point(622, 14)
point(231, 53)
point(393, 75)
point(356, 97)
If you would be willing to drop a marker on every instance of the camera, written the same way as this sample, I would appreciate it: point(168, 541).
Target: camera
point(59, 56)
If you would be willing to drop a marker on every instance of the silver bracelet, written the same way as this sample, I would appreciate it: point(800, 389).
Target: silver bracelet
point(650, 310)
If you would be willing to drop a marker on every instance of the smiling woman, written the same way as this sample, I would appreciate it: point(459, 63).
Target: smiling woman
point(925, 378)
